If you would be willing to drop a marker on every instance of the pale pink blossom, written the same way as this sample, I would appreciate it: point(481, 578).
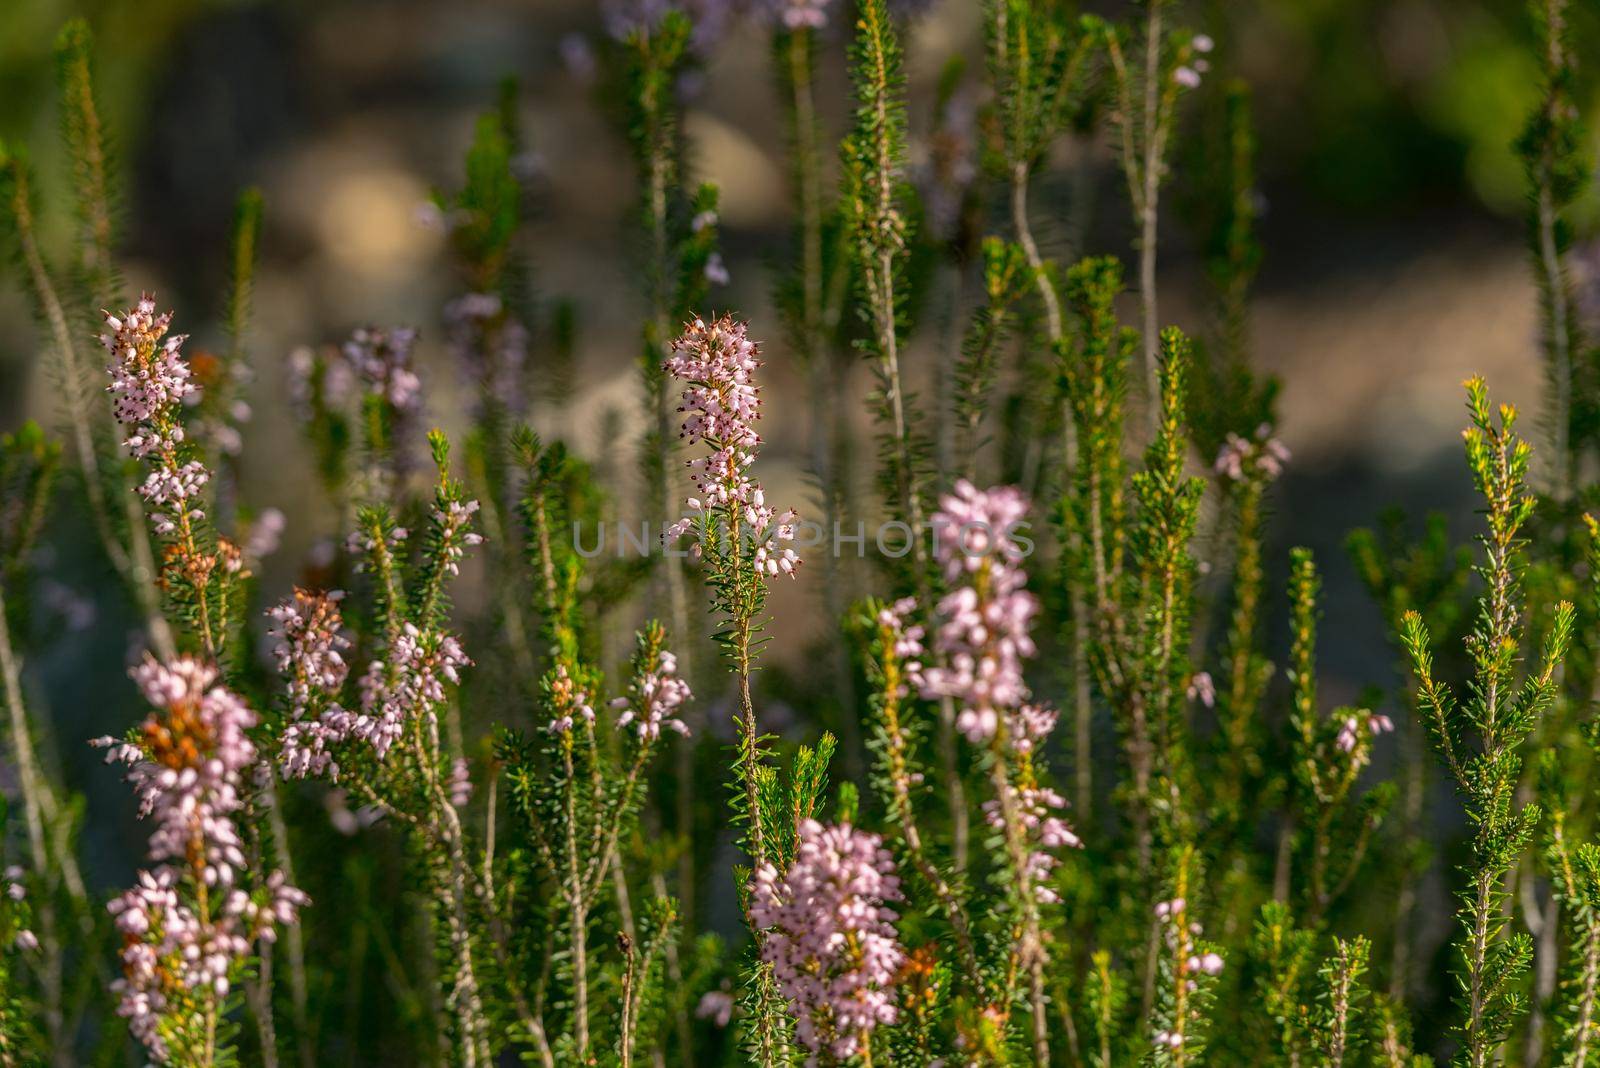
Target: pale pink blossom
point(721, 403)
point(830, 936)
point(654, 699)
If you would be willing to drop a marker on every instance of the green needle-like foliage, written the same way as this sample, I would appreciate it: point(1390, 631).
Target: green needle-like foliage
point(1479, 735)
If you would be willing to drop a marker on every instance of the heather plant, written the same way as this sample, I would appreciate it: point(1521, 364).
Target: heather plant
point(465, 790)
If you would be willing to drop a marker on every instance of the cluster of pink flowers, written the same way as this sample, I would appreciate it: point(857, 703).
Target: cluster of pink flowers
point(409, 683)
point(721, 402)
point(570, 702)
point(906, 639)
point(1189, 76)
point(1036, 809)
point(831, 940)
point(986, 615)
point(382, 360)
point(654, 699)
point(1263, 455)
point(310, 645)
point(1349, 739)
point(150, 381)
point(454, 537)
point(187, 769)
point(310, 654)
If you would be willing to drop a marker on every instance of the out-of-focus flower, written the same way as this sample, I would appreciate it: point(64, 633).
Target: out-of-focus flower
point(1241, 458)
point(716, 1006)
point(1036, 809)
point(984, 629)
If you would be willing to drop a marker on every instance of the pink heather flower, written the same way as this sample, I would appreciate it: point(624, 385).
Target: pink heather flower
point(187, 773)
point(716, 1006)
point(1239, 457)
point(984, 633)
point(382, 360)
point(150, 382)
point(454, 537)
point(653, 698)
point(716, 270)
point(569, 702)
point(1203, 689)
point(266, 533)
point(721, 402)
point(1202, 43)
point(409, 683)
point(1350, 733)
point(1188, 77)
point(310, 644)
point(310, 655)
point(25, 940)
point(831, 940)
point(906, 637)
point(149, 376)
point(1036, 808)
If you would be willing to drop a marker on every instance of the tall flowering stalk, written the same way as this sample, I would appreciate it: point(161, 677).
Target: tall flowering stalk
point(1500, 710)
point(741, 539)
point(190, 923)
point(121, 531)
point(150, 382)
point(388, 744)
point(896, 651)
point(984, 633)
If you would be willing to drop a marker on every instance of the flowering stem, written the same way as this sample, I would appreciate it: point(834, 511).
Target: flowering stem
point(134, 562)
